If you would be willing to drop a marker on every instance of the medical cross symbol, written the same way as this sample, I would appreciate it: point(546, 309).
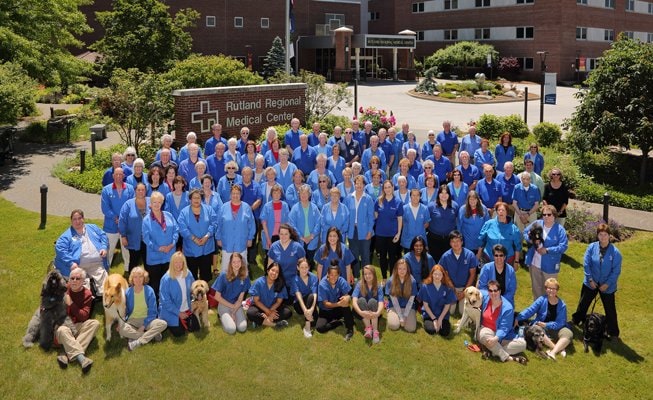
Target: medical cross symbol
point(205, 114)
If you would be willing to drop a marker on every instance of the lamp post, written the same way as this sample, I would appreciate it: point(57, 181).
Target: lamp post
point(542, 55)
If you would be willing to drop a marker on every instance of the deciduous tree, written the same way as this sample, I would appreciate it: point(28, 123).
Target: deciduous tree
point(210, 71)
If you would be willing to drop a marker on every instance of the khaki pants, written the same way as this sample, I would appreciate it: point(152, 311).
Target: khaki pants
point(503, 349)
point(537, 281)
point(130, 329)
point(75, 346)
point(410, 323)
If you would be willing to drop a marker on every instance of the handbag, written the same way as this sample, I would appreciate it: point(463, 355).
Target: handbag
point(190, 323)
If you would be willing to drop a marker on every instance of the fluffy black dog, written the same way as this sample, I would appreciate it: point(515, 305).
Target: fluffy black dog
point(593, 332)
point(50, 314)
point(536, 235)
point(534, 336)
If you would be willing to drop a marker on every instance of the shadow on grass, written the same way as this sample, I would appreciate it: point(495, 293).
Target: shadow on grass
point(620, 348)
point(571, 262)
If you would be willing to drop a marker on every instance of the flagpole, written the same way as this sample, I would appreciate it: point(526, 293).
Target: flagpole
point(288, 37)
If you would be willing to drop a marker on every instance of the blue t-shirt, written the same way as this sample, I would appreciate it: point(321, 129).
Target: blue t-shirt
point(231, 290)
point(403, 301)
point(266, 294)
point(436, 299)
point(332, 294)
point(386, 222)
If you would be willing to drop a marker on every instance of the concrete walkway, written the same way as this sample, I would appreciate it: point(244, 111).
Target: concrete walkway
point(20, 183)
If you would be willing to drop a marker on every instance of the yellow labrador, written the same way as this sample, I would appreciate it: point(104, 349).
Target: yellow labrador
point(472, 310)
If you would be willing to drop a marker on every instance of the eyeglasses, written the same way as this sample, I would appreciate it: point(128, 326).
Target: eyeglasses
point(493, 290)
point(499, 255)
point(555, 174)
point(75, 278)
point(322, 181)
point(428, 167)
point(231, 168)
point(131, 155)
point(552, 288)
point(547, 215)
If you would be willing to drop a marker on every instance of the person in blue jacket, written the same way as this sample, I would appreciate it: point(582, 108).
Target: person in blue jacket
point(526, 201)
point(483, 155)
point(229, 179)
point(361, 224)
point(336, 163)
point(460, 264)
point(602, 266)
point(401, 290)
point(304, 286)
point(292, 191)
point(197, 228)
point(437, 295)
point(177, 199)
point(497, 326)
point(175, 295)
point(458, 189)
point(416, 220)
point(160, 234)
point(286, 252)
point(116, 162)
point(142, 324)
point(268, 294)
point(274, 213)
point(291, 138)
point(544, 254)
point(68, 249)
point(334, 248)
point(304, 156)
point(444, 215)
point(113, 196)
point(419, 260)
point(305, 217)
point(508, 181)
point(471, 218)
point(236, 227)
point(333, 298)
point(551, 314)
point(285, 170)
point(448, 140)
point(471, 174)
point(334, 214)
point(489, 189)
point(536, 156)
point(130, 225)
point(367, 301)
point(501, 272)
point(504, 151)
point(500, 230)
point(388, 212)
point(231, 287)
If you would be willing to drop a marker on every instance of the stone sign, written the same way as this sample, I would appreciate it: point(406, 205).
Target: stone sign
point(256, 107)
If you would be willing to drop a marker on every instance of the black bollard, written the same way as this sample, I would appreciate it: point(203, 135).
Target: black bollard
point(356, 98)
point(93, 144)
point(606, 206)
point(44, 205)
point(526, 105)
point(82, 161)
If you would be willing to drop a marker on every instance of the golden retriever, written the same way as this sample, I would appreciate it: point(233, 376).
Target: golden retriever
point(200, 303)
point(114, 302)
point(472, 310)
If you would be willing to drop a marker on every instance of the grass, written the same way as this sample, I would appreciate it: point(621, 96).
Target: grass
point(284, 364)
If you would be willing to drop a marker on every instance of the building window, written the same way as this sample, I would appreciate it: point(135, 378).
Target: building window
point(581, 33)
point(524, 32)
point(451, 34)
point(609, 4)
point(649, 38)
point(482, 3)
point(418, 7)
point(265, 23)
point(608, 35)
point(420, 36)
point(629, 34)
point(527, 63)
point(450, 4)
point(630, 5)
point(593, 63)
point(238, 22)
point(482, 33)
point(584, 2)
point(373, 16)
point(525, 1)
point(650, 8)
point(210, 21)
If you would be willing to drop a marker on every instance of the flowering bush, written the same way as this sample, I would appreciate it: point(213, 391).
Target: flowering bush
point(378, 118)
point(581, 226)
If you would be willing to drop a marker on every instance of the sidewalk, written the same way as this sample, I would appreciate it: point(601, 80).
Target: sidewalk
point(636, 219)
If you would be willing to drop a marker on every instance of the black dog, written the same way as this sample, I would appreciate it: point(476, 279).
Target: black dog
point(593, 332)
point(534, 336)
point(536, 235)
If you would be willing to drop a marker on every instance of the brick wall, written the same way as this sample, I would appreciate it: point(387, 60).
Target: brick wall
point(256, 107)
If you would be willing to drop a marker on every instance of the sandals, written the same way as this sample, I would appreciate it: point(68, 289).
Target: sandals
point(520, 359)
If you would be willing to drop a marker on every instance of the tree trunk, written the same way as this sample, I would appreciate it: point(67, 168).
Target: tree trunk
point(643, 166)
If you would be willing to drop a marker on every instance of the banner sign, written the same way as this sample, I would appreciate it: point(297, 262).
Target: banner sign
point(550, 88)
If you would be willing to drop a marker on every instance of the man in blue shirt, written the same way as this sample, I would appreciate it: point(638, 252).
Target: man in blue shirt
point(489, 189)
point(470, 142)
point(209, 146)
point(291, 139)
point(449, 141)
point(304, 156)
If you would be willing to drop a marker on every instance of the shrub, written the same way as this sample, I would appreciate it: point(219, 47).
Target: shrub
point(490, 126)
point(331, 121)
point(18, 93)
point(581, 226)
point(447, 95)
point(516, 126)
point(547, 133)
point(379, 118)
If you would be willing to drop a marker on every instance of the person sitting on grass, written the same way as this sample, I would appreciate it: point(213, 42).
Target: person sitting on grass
point(305, 290)
point(333, 298)
point(437, 294)
point(401, 288)
point(367, 300)
point(230, 290)
point(268, 294)
point(141, 322)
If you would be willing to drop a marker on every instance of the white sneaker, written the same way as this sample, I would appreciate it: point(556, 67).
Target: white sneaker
point(563, 353)
point(133, 344)
point(307, 333)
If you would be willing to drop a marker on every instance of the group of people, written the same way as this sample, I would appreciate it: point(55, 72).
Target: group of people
point(323, 204)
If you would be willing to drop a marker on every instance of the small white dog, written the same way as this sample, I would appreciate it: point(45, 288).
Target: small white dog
point(472, 310)
point(114, 301)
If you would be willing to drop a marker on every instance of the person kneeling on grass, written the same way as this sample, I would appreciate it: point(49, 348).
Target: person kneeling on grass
point(141, 322)
point(268, 294)
point(497, 333)
point(401, 288)
point(333, 297)
point(437, 294)
point(230, 290)
point(367, 301)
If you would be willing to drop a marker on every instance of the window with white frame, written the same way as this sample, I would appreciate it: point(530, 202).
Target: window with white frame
point(650, 8)
point(373, 16)
point(525, 1)
point(609, 3)
point(265, 23)
point(630, 5)
point(524, 32)
point(526, 63)
point(581, 33)
point(418, 7)
point(629, 34)
point(450, 4)
point(584, 2)
point(482, 3)
point(608, 35)
point(482, 33)
point(238, 22)
point(451, 34)
point(420, 36)
point(649, 38)
point(210, 21)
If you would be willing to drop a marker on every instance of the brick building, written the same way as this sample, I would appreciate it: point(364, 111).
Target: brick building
point(573, 33)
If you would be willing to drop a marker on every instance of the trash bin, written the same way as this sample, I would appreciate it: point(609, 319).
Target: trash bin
point(100, 131)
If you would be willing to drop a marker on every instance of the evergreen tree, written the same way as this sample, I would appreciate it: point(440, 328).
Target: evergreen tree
point(275, 60)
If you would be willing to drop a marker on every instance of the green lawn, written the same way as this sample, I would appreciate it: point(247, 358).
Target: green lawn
point(273, 364)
